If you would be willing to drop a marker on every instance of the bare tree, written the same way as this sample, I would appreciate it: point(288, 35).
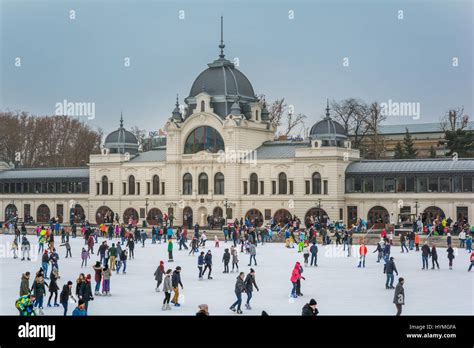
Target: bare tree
point(140, 134)
point(46, 141)
point(282, 118)
point(454, 119)
point(373, 121)
point(352, 114)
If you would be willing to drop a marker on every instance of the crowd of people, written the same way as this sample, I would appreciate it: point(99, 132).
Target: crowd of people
point(118, 243)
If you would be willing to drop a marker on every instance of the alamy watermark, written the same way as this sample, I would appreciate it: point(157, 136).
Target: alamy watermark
point(77, 109)
point(394, 108)
point(238, 156)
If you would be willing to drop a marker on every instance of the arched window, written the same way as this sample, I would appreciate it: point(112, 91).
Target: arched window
point(316, 181)
point(203, 138)
point(219, 184)
point(203, 106)
point(156, 185)
point(187, 184)
point(105, 185)
point(282, 189)
point(131, 185)
point(253, 184)
point(203, 184)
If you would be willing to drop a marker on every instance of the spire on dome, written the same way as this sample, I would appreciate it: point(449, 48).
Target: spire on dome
point(121, 120)
point(222, 46)
point(328, 116)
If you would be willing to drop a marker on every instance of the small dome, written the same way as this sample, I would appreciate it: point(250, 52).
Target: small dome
point(121, 141)
point(331, 132)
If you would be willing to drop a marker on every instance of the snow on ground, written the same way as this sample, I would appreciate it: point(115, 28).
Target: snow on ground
point(339, 287)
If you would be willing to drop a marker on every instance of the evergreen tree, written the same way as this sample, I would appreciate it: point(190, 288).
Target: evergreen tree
point(399, 152)
point(409, 146)
point(432, 152)
point(461, 142)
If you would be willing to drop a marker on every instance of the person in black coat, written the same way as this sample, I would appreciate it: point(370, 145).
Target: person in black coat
point(65, 295)
point(309, 309)
point(226, 260)
point(425, 253)
point(53, 288)
point(450, 252)
point(85, 291)
point(434, 257)
point(389, 268)
point(249, 284)
point(208, 264)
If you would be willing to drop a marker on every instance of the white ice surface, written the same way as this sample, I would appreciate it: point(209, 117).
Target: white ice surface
point(339, 287)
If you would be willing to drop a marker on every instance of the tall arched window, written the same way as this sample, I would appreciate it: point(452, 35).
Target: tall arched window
point(187, 184)
point(203, 106)
point(203, 184)
point(219, 184)
point(131, 185)
point(156, 185)
point(316, 181)
point(253, 184)
point(105, 185)
point(282, 187)
point(203, 138)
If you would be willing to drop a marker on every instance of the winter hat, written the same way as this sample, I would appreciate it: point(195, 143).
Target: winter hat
point(162, 262)
point(88, 277)
point(178, 268)
point(203, 307)
point(252, 270)
point(312, 302)
point(69, 283)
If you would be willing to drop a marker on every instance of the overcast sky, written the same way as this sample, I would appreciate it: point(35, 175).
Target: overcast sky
point(287, 48)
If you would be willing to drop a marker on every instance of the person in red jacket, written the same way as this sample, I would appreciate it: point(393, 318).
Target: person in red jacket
point(472, 261)
point(295, 276)
point(362, 252)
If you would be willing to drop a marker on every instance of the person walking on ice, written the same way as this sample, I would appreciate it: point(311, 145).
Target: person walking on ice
point(314, 254)
point(389, 269)
point(399, 296)
point(159, 275)
point(170, 250)
point(249, 284)
point(175, 282)
point(167, 287)
point(239, 289)
point(363, 253)
point(235, 258)
point(253, 254)
point(208, 264)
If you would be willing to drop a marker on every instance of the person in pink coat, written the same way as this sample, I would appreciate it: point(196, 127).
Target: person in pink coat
point(295, 276)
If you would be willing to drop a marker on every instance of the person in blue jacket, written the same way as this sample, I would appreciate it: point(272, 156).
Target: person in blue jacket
point(80, 310)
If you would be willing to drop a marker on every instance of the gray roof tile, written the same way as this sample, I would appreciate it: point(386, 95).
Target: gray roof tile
point(158, 155)
point(45, 173)
point(412, 166)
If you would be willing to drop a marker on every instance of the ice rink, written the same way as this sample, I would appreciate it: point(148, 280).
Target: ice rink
point(339, 287)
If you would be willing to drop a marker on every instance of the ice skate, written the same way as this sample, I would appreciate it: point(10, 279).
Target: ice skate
point(168, 307)
point(163, 308)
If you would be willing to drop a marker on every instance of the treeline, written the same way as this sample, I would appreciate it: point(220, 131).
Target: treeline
point(46, 141)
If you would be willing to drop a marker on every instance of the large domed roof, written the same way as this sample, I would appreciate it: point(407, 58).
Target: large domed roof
point(222, 79)
point(121, 141)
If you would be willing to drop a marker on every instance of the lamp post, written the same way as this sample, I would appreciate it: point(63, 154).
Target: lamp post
point(416, 209)
point(319, 208)
point(226, 205)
